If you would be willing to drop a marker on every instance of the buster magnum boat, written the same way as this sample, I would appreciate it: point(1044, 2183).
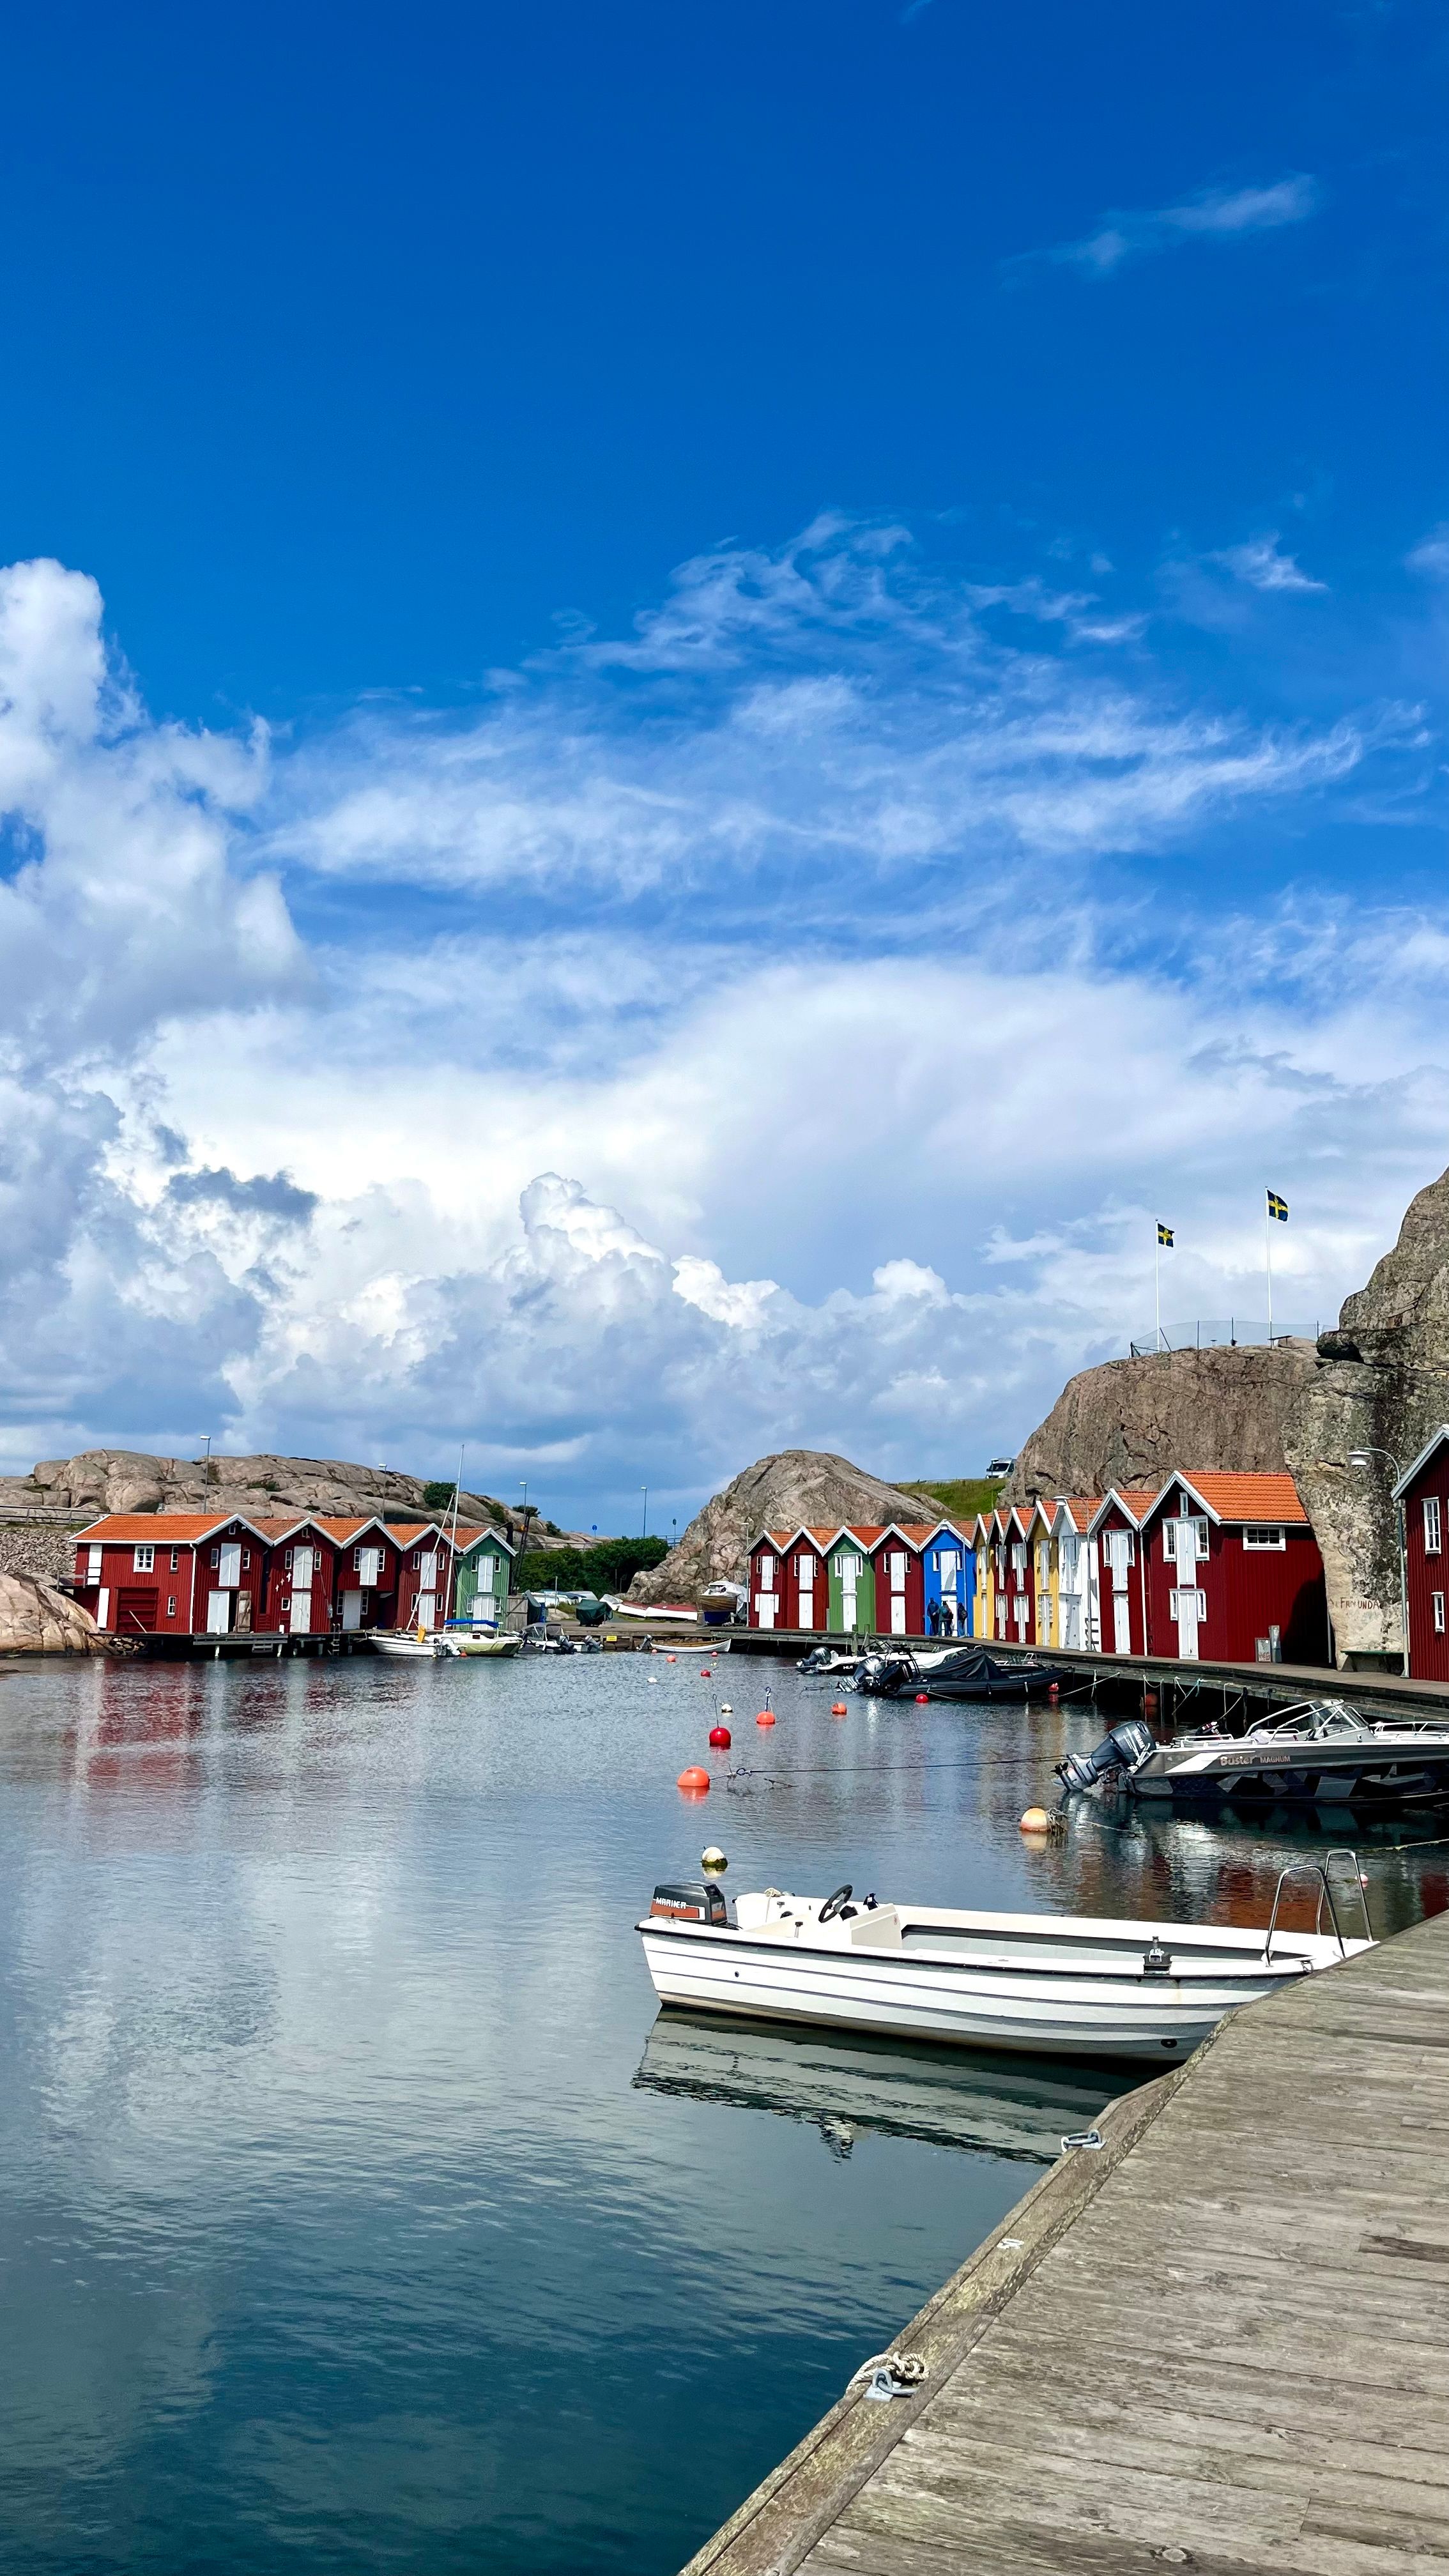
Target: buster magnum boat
point(1320, 1751)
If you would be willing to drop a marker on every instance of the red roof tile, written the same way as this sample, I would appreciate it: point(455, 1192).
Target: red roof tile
point(1236, 1496)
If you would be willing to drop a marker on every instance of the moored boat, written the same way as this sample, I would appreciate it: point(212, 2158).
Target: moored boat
point(409, 1644)
point(1319, 1752)
point(1056, 1985)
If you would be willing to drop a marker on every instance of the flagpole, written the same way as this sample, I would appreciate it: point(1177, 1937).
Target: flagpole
point(1268, 1257)
point(1157, 1280)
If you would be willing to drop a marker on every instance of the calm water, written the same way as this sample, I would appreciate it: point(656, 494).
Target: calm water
point(337, 2231)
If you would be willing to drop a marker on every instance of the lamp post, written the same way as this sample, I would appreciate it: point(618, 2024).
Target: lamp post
point(644, 1490)
point(1364, 1458)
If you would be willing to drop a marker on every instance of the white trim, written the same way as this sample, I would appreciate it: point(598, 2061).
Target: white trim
point(1407, 1478)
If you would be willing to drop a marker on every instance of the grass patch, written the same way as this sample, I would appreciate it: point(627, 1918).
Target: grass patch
point(961, 1496)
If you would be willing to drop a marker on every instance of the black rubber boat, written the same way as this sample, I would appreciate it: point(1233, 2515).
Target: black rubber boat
point(971, 1673)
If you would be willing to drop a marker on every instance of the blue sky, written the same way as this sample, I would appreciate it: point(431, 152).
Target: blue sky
point(740, 682)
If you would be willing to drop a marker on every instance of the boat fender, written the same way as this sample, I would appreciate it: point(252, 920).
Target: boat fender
point(890, 2374)
point(712, 1857)
point(1156, 1960)
point(1090, 2138)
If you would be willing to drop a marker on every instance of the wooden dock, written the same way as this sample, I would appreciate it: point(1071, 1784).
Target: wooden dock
point(1220, 2342)
point(1259, 1686)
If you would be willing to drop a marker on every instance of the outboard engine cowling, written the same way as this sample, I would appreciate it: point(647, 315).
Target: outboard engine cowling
point(1122, 1750)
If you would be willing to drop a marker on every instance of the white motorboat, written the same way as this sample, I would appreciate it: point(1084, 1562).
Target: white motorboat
point(1052, 1984)
point(653, 1611)
point(417, 1646)
point(482, 1641)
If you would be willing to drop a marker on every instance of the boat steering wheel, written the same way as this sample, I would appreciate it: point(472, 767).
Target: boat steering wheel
point(833, 1904)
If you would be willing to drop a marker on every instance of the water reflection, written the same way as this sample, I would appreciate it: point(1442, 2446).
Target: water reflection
point(845, 2086)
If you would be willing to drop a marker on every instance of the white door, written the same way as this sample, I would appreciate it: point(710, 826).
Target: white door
point(427, 1609)
point(807, 1606)
point(228, 1573)
point(351, 1609)
point(301, 1613)
point(218, 1610)
point(765, 1608)
point(1185, 1599)
point(898, 1614)
point(369, 1566)
point(302, 1568)
point(103, 1607)
point(1071, 1621)
point(1121, 1623)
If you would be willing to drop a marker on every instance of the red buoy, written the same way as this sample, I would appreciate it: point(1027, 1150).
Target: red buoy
point(694, 1780)
point(719, 1735)
point(705, 1671)
point(1054, 1690)
point(839, 1709)
point(921, 1698)
point(766, 1717)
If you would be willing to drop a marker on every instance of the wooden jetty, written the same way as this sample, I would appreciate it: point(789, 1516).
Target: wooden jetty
point(1255, 1686)
point(1219, 2342)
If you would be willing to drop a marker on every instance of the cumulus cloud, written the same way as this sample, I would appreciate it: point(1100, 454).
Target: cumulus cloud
point(788, 1055)
point(125, 898)
point(1223, 214)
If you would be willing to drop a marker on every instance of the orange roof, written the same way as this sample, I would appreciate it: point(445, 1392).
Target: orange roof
point(1235, 1496)
point(1136, 1500)
point(1081, 1507)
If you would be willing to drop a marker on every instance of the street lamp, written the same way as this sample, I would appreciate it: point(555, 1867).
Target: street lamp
point(644, 1490)
point(1364, 1458)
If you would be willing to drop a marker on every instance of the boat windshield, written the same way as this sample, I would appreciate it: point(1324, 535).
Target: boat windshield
point(1311, 1723)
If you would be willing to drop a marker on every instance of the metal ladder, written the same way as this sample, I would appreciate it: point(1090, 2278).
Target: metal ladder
point(1321, 1870)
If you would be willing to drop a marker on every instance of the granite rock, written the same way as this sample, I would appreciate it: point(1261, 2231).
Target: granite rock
point(35, 1619)
point(794, 1487)
point(1130, 1422)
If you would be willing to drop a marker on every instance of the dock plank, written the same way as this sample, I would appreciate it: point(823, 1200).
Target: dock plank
point(1223, 2342)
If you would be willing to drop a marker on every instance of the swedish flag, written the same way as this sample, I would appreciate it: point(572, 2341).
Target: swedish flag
point(1277, 1207)
point(1164, 1235)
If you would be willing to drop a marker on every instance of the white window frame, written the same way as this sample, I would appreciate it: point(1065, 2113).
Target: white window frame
point(1262, 1539)
point(1437, 1599)
point(143, 1560)
point(176, 1560)
point(1433, 1526)
point(171, 1605)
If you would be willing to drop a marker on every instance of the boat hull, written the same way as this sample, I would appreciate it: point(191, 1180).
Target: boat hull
point(962, 2002)
point(1302, 1775)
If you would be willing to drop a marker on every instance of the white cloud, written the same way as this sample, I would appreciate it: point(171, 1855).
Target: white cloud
point(732, 1037)
point(1263, 565)
point(1215, 213)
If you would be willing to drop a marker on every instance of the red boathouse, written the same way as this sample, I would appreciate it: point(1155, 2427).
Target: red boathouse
point(1422, 1495)
point(1233, 1572)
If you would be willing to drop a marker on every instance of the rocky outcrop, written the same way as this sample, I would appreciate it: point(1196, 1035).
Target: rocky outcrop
point(794, 1487)
point(130, 1480)
point(1381, 1385)
point(1132, 1421)
point(35, 1619)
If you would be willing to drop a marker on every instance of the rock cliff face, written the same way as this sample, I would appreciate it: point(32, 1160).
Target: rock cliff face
point(1131, 1421)
point(1382, 1383)
point(128, 1480)
point(35, 1619)
point(794, 1486)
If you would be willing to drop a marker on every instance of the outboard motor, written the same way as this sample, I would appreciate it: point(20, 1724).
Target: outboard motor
point(885, 1676)
point(1122, 1750)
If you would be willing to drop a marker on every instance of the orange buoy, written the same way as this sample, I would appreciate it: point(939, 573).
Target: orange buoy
point(694, 1780)
point(671, 1659)
point(1036, 1821)
point(766, 1717)
point(839, 1709)
point(719, 1735)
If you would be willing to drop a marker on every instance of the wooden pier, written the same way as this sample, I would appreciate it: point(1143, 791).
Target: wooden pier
point(1256, 1686)
point(1220, 2342)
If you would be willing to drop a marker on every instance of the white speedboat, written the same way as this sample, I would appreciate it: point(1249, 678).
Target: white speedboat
point(1052, 1984)
point(416, 1647)
point(482, 1641)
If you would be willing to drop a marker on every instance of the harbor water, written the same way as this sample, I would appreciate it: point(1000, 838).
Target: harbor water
point(356, 2214)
